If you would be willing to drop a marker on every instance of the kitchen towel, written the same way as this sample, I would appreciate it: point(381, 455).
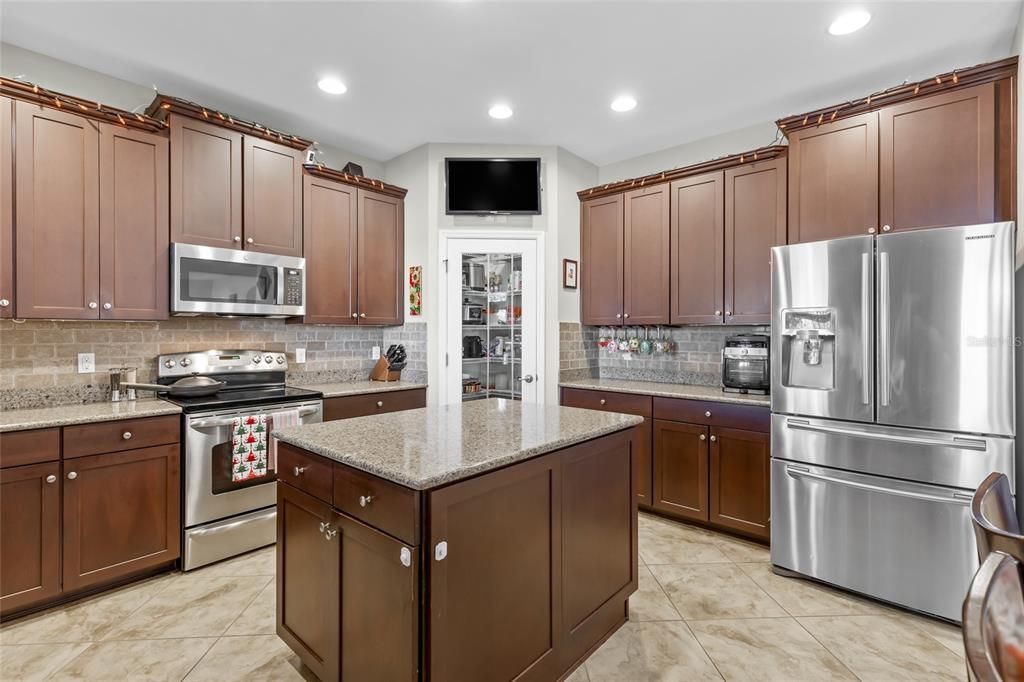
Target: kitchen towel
point(281, 420)
point(248, 447)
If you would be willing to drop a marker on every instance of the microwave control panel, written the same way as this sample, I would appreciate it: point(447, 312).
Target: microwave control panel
point(292, 286)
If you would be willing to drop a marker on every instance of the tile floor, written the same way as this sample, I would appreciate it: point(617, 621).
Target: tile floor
point(708, 608)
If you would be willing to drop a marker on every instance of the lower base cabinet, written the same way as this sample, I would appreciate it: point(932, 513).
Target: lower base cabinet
point(740, 477)
point(681, 469)
point(29, 535)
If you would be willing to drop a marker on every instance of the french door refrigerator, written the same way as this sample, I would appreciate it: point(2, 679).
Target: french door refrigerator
point(892, 398)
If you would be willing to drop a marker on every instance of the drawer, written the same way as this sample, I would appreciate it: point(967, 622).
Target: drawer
point(607, 401)
point(126, 434)
point(29, 447)
point(711, 413)
point(346, 407)
point(304, 470)
point(382, 504)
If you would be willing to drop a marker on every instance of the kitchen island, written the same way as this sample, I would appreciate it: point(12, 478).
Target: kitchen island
point(490, 540)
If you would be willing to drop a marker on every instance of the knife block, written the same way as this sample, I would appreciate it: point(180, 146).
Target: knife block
point(382, 371)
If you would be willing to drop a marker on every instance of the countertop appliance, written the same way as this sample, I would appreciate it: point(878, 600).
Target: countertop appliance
point(473, 276)
point(472, 347)
point(209, 281)
point(745, 364)
point(224, 517)
point(472, 313)
point(892, 398)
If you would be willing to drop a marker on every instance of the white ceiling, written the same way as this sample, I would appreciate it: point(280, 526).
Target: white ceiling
point(428, 71)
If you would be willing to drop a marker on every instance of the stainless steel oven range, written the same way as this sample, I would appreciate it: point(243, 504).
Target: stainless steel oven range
point(228, 511)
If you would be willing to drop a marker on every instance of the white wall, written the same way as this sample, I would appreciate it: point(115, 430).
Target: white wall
point(574, 174)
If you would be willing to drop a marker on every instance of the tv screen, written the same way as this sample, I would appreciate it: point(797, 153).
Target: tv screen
point(478, 186)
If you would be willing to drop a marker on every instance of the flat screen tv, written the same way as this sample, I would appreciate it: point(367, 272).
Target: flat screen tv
point(482, 186)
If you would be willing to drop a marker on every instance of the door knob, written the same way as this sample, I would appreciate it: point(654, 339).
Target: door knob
point(526, 378)
point(4, 303)
point(249, 240)
point(51, 479)
point(72, 475)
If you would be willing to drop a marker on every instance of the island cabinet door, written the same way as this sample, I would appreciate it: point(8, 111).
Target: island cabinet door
point(308, 581)
point(495, 575)
point(681, 469)
point(740, 481)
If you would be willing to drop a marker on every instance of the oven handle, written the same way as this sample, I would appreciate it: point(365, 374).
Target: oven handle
point(215, 423)
point(803, 472)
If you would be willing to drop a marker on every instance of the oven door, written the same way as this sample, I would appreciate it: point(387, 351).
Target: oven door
point(745, 371)
point(210, 493)
point(208, 280)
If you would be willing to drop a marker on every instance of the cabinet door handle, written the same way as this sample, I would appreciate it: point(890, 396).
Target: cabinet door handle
point(324, 526)
point(237, 239)
point(365, 500)
point(51, 479)
point(380, 403)
point(718, 313)
point(871, 230)
point(703, 437)
point(249, 240)
point(107, 306)
point(362, 314)
point(886, 228)
point(618, 316)
point(330, 533)
point(714, 438)
point(127, 435)
point(4, 303)
point(626, 316)
point(603, 401)
point(93, 305)
point(298, 471)
point(708, 413)
point(728, 313)
point(72, 475)
point(355, 314)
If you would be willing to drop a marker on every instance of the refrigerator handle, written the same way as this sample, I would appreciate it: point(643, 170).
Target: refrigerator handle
point(956, 442)
point(883, 328)
point(803, 472)
point(865, 322)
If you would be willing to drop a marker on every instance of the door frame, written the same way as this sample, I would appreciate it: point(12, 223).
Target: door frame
point(444, 237)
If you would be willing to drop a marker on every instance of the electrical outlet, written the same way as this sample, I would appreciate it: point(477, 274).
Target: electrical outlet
point(300, 355)
point(375, 353)
point(86, 363)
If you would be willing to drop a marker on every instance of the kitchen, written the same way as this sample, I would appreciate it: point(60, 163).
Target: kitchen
point(375, 384)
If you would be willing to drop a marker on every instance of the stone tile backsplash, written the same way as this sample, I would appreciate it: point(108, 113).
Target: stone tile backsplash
point(696, 359)
point(38, 359)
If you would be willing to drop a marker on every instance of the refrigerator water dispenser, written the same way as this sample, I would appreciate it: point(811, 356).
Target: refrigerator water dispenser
point(808, 353)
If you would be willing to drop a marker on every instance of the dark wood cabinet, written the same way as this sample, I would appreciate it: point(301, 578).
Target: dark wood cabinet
point(681, 469)
point(134, 214)
point(937, 160)
point(6, 207)
point(57, 214)
point(755, 221)
point(346, 407)
point(698, 249)
point(121, 514)
point(206, 184)
point(29, 535)
point(740, 480)
point(646, 256)
point(272, 197)
point(601, 260)
point(833, 179)
point(381, 260)
point(329, 236)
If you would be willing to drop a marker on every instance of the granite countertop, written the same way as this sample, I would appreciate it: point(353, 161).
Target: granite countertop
point(669, 390)
point(433, 446)
point(343, 388)
point(67, 415)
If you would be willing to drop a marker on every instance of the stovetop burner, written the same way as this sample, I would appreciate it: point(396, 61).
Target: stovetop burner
point(245, 397)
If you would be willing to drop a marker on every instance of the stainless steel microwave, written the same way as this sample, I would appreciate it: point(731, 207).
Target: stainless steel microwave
point(209, 281)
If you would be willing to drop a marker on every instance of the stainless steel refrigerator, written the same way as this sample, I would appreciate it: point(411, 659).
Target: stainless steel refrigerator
point(892, 398)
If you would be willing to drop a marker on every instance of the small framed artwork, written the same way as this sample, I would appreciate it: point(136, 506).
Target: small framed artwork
point(569, 270)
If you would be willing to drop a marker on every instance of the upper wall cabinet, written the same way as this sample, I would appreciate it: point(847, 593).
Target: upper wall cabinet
point(381, 244)
point(231, 190)
point(698, 249)
point(6, 207)
point(601, 248)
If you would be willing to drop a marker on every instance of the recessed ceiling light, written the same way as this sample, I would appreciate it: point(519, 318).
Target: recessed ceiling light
point(332, 85)
point(624, 103)
point(500, 111)
point(848, 22)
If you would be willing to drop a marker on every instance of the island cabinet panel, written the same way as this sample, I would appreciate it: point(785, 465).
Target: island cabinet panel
point(681, 469)
point(309, 582)
point(29, 535)
point(833, 179)
point(740, 481)
point(121, 514)
point(6, 207)
point(698, 249)
point(755, 221)
point(381, 261)
point(646, 256)
point(206, 184)
point(601, 260)
point(272, 197)
point(329, 237)
point(501, 575)
point(57, 214)
point(938, 160)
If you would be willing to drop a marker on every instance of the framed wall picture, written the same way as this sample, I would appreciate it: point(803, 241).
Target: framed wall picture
point(569, 273)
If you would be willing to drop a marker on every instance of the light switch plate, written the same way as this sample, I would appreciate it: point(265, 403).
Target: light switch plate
point(86, 363)
point(375, 353)
point(300, 355)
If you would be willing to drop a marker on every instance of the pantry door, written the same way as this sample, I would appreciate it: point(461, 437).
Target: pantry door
point(492, 319)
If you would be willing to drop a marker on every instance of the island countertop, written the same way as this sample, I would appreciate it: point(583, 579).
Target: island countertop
point(437, 445)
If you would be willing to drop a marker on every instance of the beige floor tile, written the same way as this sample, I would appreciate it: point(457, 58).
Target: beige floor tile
point(650, 652)
point(650, 602)
point(258, 562)
point(192, 606)
point(83, 621)
point(949, 636)
point(35, 661)
point(253, 659)
point(884, 648)
point(714, 591)
point(579, 675)
point(137, 660)
point(259, 618)
point(663, 542)
point(804, 598)
point(767, 649)
point(740, 550)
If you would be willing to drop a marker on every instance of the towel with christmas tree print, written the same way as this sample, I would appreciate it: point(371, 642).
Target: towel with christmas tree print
point(248, 447)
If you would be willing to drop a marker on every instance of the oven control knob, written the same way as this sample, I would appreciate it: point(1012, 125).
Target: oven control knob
point(268, 359)
point(256, 359)
point(168, 363)
point(743, 351)
point(185, 362)
point(280, 359)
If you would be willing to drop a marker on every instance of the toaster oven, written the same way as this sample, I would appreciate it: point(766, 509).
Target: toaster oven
point(745, 365)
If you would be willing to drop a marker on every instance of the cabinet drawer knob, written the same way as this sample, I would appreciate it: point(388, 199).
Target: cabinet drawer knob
point(362, 314)
point(355, 314)
point(871, 230)
point(51, 479)
point(237, 239)
point(72, 475)
point(107, 306)
point(603, 401)
point(626, 316)
point(618, 316)
point(93, 305)
point(728, 313)
point(4, 303)
point(249, 240)
point(405, 556)
point(703, 437)
point(718, 313)
point(364, 500)
point(298, 471)
point(127, 435)
point(708, 413)
point(380, 403)
point(714, 438)
point(886, 228)
point(324, 526)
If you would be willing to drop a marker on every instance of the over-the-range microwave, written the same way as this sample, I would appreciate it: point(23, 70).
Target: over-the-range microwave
point(206, 280)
